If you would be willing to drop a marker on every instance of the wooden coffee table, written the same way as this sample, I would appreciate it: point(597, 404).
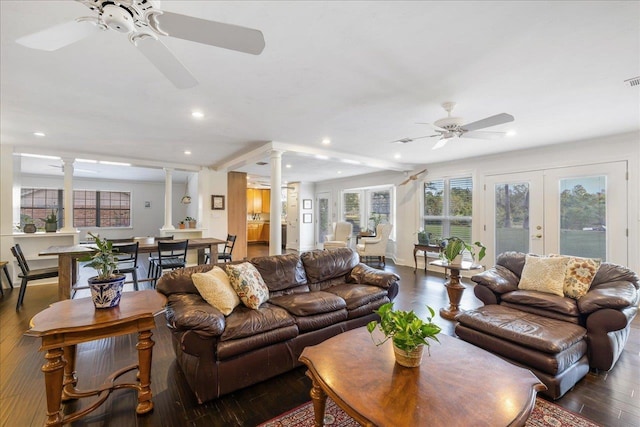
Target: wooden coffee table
point(459, 385)
point(66, 324)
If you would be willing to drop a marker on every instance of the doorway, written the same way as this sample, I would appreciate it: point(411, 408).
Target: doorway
point(580, 211)
point(324, 223)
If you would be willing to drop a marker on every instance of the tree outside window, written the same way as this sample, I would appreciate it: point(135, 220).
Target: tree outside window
point(448, 208)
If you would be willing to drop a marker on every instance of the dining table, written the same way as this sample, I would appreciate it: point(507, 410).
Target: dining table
point(68, 257)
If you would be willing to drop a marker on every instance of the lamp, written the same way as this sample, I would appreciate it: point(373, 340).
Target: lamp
point(186, 199)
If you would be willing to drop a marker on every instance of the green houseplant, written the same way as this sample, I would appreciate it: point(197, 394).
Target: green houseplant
point(455, 246)
point(106, 287)
point(408, 333)
point(191, 221)
point(51, 222)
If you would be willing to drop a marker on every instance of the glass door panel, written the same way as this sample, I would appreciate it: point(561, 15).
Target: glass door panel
point(512, 217)
point(324, 217)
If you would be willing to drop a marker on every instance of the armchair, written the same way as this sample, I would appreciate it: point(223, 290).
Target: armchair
point(375, 246)
point(341, 237)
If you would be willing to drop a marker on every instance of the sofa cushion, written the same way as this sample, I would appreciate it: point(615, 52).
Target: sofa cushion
point(323, 265)
point(240, 346)
point(526, 329)
point(215, 288)
point(357, 295)
point(281, 271)
point(248, 284)
point(544, 274)
point(559, 304)
point(244, 322)
point(319, 321)
point(309, 303)
point(363, 273)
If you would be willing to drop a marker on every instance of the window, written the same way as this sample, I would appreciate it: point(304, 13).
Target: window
point(365, 208)
point(37, 203)
point(448, 208)
point(101, 208)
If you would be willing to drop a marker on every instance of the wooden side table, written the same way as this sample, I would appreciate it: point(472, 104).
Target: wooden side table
point(67, 323)
point(424, 247)
point(454, 288)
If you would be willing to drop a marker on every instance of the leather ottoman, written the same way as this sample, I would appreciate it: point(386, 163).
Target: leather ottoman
point(554, 350)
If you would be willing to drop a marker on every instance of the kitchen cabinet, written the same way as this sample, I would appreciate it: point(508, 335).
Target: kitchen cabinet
point(258, 201)
point(253, 232)
point(264, 233)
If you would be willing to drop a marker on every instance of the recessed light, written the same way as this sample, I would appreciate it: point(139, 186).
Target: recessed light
point(187, 152)
point(326, 141)
point(397, 156)
point(339, 172)
point(511, 133)
point(39, 134)
point(197, 114)
point(288, 165)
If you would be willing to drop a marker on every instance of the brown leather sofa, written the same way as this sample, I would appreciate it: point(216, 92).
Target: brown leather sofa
point(312, 296)
point(558, 338)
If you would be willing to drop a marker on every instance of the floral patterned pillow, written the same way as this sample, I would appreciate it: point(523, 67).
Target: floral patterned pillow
point(248, 284)
point(579, 275)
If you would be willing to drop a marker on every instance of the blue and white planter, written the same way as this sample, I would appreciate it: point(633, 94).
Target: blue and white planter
point(106, 294)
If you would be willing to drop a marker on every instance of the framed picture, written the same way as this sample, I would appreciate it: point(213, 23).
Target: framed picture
point(306, 218)
point(217, 203)
point(306, 204)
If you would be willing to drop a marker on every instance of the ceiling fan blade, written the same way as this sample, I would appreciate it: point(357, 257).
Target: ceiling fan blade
point(405, 181)
point(213, 33)
point(440, 143)
point(58, 36)
point(483, 135)
point(498, 119)
point(165, 61)
point(406, 140)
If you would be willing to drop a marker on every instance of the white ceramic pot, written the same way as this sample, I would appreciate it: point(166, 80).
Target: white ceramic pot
point(106, 294)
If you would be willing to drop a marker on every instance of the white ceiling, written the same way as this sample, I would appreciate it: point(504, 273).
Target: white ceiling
point(359, 73)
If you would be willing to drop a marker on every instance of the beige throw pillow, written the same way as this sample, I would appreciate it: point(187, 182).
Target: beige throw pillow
point(215, 288)
point(544, 274)
point(248, 284)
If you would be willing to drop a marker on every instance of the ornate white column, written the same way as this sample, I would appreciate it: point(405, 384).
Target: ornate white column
point(67, 167)
point(275, 228)
point(168, 186)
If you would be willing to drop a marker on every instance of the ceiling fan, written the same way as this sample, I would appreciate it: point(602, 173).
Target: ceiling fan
point(145, 23)
point(413, 177)
point(453, 127)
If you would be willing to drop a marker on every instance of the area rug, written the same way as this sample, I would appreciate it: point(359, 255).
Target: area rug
point(544, 414)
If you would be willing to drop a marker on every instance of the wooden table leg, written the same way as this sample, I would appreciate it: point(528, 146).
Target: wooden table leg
point(145, 349)
point(65, 276)
point(319, 398)
point(70, 377)
point(455, 291)
point(415, 260)
point(53, 376)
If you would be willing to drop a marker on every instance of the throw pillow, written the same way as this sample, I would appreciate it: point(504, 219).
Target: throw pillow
point(544, 274)
point(215, 288)
point(579, 275)
point(248, 284)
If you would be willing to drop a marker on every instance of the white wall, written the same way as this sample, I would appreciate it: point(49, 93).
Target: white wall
point(215, 222)
point(409, 197)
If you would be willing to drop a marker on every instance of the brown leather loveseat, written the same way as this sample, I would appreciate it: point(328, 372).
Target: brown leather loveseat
point(557, 337)
point(312, 296)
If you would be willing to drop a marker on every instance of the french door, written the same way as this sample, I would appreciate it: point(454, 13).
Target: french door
point(324, 223)
point(579, 211)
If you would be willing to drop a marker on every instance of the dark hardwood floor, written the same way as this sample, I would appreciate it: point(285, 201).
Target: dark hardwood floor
point(609, 398)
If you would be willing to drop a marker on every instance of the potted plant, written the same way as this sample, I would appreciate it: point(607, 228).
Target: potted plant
point(455, 246)
point(408, 333)
point(29, 226)
point(106, 287)
point(51, 222)
point(191, 221)
point(423, 237)
point(182, 225)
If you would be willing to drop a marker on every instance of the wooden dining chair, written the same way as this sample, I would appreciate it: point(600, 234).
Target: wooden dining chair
point(127, 255)
point(172, 254)
point(3, 265)
point(28, 274)
point(225, 255)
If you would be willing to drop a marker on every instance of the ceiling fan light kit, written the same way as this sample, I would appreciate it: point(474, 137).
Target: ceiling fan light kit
point(143, 21)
